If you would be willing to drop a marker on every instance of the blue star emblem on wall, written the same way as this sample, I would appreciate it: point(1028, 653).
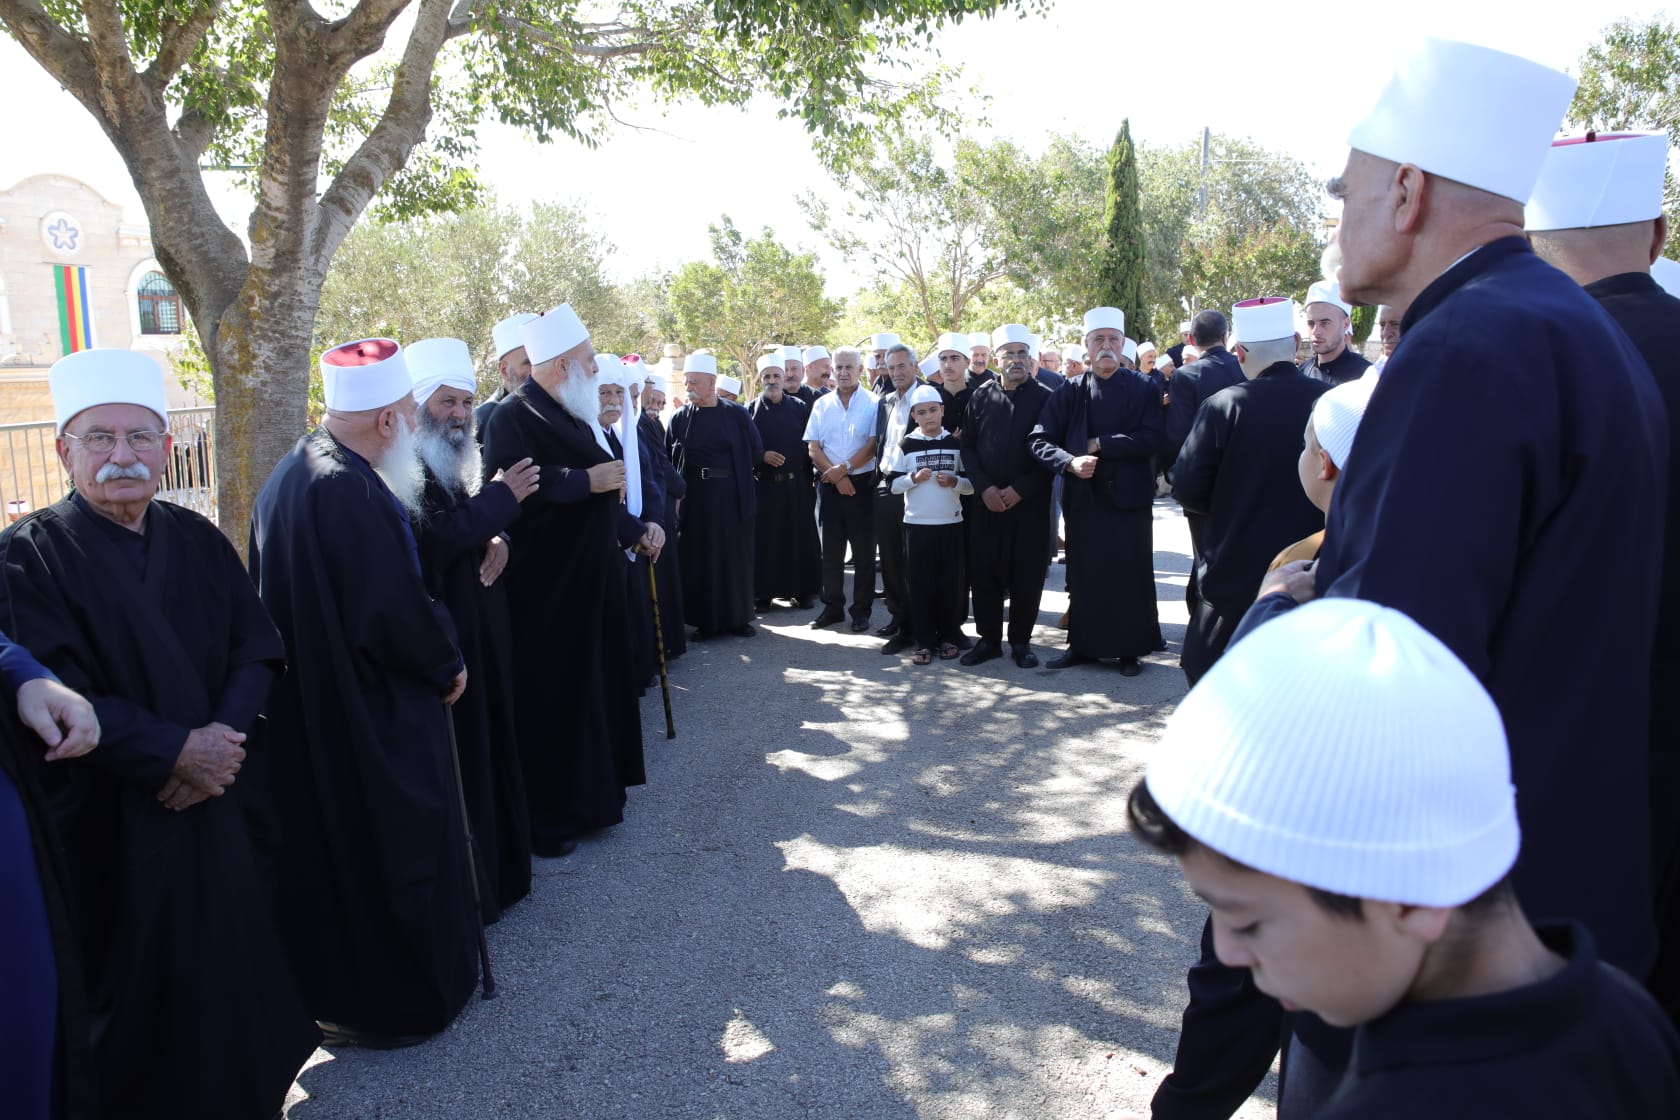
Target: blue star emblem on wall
point(63, 236)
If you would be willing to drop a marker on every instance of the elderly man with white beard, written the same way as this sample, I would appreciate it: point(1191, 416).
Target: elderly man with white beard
point(376, 907)
point(144, 609)
point(575, 707)
point(463, 550)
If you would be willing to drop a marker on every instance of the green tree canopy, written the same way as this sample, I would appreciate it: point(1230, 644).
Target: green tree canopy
point(1121, 276)
point(1630, 80)
point(753, 293)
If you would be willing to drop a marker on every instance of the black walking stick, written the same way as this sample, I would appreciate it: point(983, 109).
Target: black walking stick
point(488, 981)
point(659, 641)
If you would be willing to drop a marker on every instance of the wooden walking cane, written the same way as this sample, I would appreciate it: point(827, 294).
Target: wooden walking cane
point(659, 640)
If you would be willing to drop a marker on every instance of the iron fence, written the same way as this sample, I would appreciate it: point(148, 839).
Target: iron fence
point(31, 476)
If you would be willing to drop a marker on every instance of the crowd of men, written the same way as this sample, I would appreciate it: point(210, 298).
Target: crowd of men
point(281, 797)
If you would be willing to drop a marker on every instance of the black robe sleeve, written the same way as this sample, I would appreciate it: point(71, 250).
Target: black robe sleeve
point(1198, 460)
point(1049, 438)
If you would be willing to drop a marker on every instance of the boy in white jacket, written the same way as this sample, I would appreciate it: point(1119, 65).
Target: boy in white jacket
point(932, 483)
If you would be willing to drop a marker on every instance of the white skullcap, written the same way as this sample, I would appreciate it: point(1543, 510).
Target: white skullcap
point(1263, 319)
point(609, 371)
point(1129, 351)
point(1074, 353)
point(1325, 291)
point(815, 354)
point(1600, 179)
point(793, 354)
point(505, 335)
point(1146, 347)
point(1667, 274)
point(925, 394)
point(635, 371)
point(1336, 415)
point(952, 341)
point(1011, 333)
point(358, 376)
point(435, 362)
point(1100, 317)
point(1343, 747)
point(727, 384)
point(1191, 354)
point(1471, 114)
point(1184, 327)
point(929, 365)
point(770, 361)
point(700, 363)
point(89, 378)
point(981, 339)
point(884, 341)
point(551, 335)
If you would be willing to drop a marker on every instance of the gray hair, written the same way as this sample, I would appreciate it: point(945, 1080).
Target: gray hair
point(852, 350)
point(901, 348)
point(1268, 351)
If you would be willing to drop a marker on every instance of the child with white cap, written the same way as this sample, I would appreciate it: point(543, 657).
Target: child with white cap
point(1324, 452)
point(1338, 790)
point(932, 480)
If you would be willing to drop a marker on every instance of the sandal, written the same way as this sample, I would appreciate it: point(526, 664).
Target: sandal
point(922, 657)
point(948, 651)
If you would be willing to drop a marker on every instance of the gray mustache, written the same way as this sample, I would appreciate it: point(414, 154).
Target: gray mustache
point(138, 471)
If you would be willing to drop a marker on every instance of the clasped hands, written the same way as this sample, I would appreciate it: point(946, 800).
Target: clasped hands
point(1000, 500)
point(208, 762)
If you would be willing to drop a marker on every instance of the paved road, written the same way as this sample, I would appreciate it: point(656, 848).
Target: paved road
point(852, 887)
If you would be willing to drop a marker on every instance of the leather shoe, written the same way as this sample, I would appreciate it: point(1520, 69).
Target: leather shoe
point(554, 851)
point(889, 630)
point(982, 652)
point(335, 1034)
point(1129, 667)
point(859, 625)
point(742, 631)
point(898, 643)
point(1025, 657)
point(1066, 660)
point(963, 641)
point(827, 618)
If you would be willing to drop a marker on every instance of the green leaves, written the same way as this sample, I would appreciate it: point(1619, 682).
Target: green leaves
point(1121, 276)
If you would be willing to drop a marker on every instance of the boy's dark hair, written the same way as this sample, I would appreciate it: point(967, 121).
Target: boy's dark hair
point(1152, 825)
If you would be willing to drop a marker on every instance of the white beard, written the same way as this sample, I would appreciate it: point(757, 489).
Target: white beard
point(459, 466)
point(401, 469)
point(578, 394)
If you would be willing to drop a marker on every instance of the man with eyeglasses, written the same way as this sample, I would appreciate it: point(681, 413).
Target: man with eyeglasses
point(144, 608)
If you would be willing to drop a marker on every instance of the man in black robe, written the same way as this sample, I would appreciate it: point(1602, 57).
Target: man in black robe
point(787, 555)
point(667, 570)
point(1482, 521)
point(143, 608)
point(715, 445)
point(575, 709)
point(1009, 521)
point(1192, 383)
point(614, 383)
point(45, 1035)
point(1334, 361)
point(463, 543)
point(1098, 432)
point(1597, 215)
point(375, 895)
point(512, 366)
point(1238, 472)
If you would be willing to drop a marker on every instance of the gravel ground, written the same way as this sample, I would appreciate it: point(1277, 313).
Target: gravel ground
point(852, 887)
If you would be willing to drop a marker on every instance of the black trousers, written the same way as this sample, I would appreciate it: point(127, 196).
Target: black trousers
point(889, 541)
point(1006, 558)
point(934, 556)
point(1205, 639)
point(848, 521)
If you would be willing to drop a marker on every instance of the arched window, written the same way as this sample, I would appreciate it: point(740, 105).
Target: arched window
point(160, 307)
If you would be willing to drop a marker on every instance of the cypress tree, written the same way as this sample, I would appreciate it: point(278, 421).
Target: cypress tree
point(1120, 279)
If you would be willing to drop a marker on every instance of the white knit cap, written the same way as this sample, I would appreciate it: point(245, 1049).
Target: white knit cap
point(793, 354)
point(925, 394)
point(609, 370)
point(1146, 348)
point(1471, 114)
point(980, 339)
point(1012, 333)
point(1074, 353)
point(1667, 274)
point(1343, 747)
point(727, 384)
point(1263, 320)
point(1184, 326)
point(953, 342)
point(505, 335)
point(1110, 317)
point(884, 341)
point(815, 354)
point(89, 378)
point(1336, 415)
point(551, 335)
point(1600, 179)
point(700, 363)
point(435, 362)
point(770, 361)
point(1129, 350)
point(1325, 291)
point(358, 376)
point(929, 365)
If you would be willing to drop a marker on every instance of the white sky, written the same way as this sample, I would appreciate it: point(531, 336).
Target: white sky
point(1294, 83)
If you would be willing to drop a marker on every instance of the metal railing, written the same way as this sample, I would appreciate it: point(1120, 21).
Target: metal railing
point(31, 477)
